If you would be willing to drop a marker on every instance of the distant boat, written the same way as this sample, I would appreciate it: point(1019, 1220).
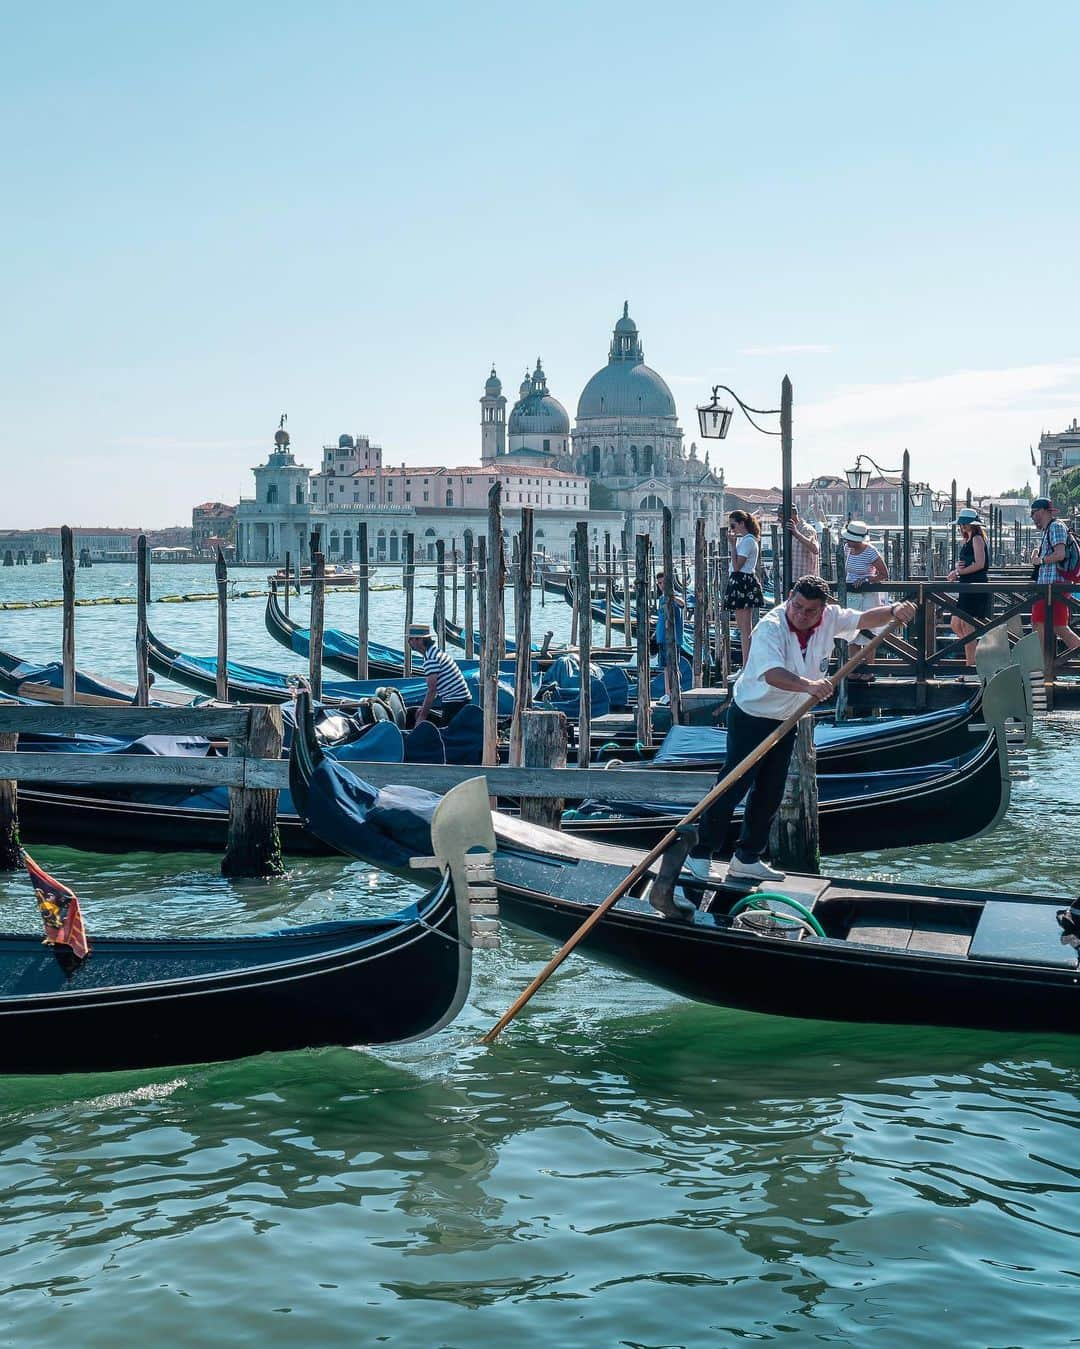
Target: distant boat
point(335, 574)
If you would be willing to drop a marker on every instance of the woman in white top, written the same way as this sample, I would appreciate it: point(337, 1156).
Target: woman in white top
point(865, 569)
point(742, 594)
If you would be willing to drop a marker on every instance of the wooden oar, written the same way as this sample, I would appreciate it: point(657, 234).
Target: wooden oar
point(728, 780)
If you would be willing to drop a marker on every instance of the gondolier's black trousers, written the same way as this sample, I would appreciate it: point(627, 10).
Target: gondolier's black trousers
point(764, 782)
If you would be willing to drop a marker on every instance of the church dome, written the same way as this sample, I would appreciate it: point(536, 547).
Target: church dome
point(626, 387)
point(537, 412)
point(493, 387)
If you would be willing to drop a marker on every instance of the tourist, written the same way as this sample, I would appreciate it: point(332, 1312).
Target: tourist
point(972, 565)
point(447, 691)
point(1050, 557)
point(661, 630)
point(805, 548)
point(864, 570)
point(792, 648)
point(743, 592)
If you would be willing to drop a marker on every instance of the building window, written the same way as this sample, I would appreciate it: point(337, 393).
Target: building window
point(408, 495)
point(271, 494)
point(356, 496)
point(547, 444)
point(449, 498)
point(468, 480)
point(426, 495)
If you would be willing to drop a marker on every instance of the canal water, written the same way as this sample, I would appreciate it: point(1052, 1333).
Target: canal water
point(622, 1168)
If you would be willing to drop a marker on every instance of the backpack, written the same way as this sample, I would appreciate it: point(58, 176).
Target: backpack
point(1069, 566)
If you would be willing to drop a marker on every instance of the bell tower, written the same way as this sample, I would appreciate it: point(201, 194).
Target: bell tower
point(492, 420)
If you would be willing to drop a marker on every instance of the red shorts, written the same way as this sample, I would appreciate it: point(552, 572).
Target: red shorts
point(1061, 613)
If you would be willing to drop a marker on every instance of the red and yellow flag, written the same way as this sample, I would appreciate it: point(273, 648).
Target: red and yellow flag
point(59, 910)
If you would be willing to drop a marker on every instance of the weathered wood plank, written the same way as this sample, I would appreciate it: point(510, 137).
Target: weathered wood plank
point(137, 769)
point(216, 723)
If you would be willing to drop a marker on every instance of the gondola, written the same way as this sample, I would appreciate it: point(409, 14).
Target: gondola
point(900, 954)
point(154, 1002)
point(253, 684)
point(45, 684)
point(340, 650)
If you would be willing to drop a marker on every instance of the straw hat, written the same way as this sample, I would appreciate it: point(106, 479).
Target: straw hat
point(856, 531)
point(417, 630)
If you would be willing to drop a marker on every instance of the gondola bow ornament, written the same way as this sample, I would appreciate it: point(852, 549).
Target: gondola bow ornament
point(60, 912)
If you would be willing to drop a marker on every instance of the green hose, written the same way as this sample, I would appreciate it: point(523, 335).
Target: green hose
point(799, 908)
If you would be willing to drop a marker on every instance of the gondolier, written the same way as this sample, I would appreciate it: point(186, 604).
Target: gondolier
point(447, 691)
point(789, 659)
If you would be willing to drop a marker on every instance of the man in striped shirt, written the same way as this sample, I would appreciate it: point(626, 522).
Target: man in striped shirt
point(447, 691)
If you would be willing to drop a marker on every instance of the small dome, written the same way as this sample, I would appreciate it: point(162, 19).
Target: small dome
point(493, 387)
point(281, 437)
point(626, 324)
point(537, 412)
point(345, 442)
point(525, 388)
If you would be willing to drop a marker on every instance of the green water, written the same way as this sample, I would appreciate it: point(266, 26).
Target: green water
point(623, 1168)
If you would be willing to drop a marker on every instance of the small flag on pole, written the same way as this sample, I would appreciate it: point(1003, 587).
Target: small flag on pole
point(59, 910)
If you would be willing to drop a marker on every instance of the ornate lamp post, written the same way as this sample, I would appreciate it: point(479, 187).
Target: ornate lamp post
point(858, 479)
point(714, 421)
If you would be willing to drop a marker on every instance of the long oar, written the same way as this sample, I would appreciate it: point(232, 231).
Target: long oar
point(728, 780)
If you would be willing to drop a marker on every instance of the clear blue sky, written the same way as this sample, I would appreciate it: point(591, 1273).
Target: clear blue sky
point(216, 213)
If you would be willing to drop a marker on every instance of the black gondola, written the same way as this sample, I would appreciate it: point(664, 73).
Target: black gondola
point(45, 684)
point(144, 1003)
point(340, 650)
point(901, 954)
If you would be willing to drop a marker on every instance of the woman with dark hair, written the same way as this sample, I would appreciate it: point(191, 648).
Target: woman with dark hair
point(743, 592)
point(972, 564)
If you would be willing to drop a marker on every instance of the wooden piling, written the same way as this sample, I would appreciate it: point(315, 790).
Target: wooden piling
point(10, 848)
point(363, 600)
point(609, 589)
point(221, 576)
point(470, 582)
point(492, 644)
point(543, 746)
point(701, 616)
point(794, 840)
point(440, 594)
point(408, 578)
point(67, 567)
point(641, 619)
point(522, 636)
point(253, 847)
point(581, 587)
point(777, 573)
point(481, 589)
point(453, 580)
point(142, 594)
point(515, 568)
point(826, 554)
point(315, 632)
point(627, 624)
point(671, 653)
point(288, 578)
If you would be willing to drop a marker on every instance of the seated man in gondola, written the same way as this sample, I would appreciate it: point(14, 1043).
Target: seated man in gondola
point(447, 692)
point(789, 658)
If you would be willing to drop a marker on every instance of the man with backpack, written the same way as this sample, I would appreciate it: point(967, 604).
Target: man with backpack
point(1057, 557)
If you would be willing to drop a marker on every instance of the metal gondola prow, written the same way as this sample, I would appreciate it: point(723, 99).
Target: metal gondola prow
point(463, 837)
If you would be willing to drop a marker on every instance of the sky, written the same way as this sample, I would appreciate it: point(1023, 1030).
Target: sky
point(213, 214)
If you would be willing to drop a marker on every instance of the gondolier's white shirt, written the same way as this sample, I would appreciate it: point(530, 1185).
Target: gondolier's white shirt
point(775, 645)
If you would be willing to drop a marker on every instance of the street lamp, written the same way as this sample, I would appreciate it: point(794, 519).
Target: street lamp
point(858, 479)
point(714, 421)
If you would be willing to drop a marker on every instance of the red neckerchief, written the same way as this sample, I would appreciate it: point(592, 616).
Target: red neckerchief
point(804, 637)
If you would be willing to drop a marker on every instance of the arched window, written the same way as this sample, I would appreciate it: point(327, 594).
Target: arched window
point(647, 461)
point(429, 544)
point(300, 495)
point(651, 503)
point(380, 546)
point(335, 543)
point(596, 459)
point(449, 497)
point(394, 557)
point(271, 494)
point(633, 459)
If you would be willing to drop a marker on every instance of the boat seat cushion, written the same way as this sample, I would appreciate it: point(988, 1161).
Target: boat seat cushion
point(381, 743)
point(1021, 934)
point(424, 744)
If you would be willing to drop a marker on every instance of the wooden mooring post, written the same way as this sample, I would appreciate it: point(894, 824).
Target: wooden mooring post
point(453, 580)
point(481, 590)
point(609, 589)
point(67, 567)
point(470, 583)
point(142, 595)
point(581, 586)
point(492, 647)
point(543, 746)
point(642, 590)
point(315, 631)
point(794, 840)
point(701, 610)
point(671, 653)
point(440, 594)
point(253, 846)
point(288, 580)
point(221, 576)
point(628, 627)
point(10, 848)
point(408, 577)
point(522, 636)
point(363, 602)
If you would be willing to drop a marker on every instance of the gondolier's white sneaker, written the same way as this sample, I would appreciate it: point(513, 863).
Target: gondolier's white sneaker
point(705, 869)
point(753, 871)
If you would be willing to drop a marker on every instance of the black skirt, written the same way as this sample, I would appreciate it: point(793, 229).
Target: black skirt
point(743, 591)
point(974, 604)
